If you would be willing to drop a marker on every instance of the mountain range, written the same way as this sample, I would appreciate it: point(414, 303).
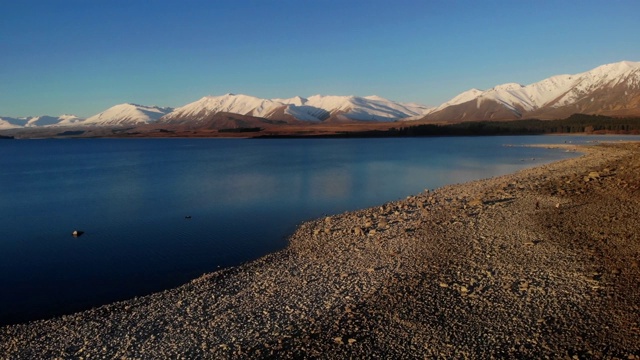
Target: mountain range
point(39, 121)
point(612, 89)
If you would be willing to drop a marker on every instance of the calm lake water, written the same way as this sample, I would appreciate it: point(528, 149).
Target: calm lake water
point(244, 198)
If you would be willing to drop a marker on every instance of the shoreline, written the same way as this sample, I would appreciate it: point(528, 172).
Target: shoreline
point(542, 262)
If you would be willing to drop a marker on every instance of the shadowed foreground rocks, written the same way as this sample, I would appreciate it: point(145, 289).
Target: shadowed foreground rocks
point(539, 264)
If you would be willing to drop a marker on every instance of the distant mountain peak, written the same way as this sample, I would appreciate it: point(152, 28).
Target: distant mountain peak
point(508, 87)
point(127, 114)
point(620, 66)
point(314, 108)
point(610, 89)
point(39, 121)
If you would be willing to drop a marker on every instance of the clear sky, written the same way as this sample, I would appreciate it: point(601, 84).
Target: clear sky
point(83, 56)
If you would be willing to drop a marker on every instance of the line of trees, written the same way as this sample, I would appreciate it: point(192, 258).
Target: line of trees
point(577, 123)
point(240, 130)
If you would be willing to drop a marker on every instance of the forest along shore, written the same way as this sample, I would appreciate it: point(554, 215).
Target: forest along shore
point(540, 263)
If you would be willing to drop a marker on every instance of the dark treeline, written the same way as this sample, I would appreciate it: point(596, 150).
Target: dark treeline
point(240, 130)
point(577, 123)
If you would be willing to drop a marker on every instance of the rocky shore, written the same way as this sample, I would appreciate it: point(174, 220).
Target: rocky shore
point(543, 263)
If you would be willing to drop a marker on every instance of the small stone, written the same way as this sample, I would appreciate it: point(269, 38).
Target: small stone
point(444, 285)
point(358, 231)
point(338, 340)
point(596, 276)
point(475, 202)
point(351, 341)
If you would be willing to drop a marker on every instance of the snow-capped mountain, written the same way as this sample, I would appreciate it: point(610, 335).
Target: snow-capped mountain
point(12, 123)
point(612, 89)
point(69, 120)
point(62, 120)
point(315, 108)
point(207, 106)
point(127, 114)
point(39, 121)
point(368, 108)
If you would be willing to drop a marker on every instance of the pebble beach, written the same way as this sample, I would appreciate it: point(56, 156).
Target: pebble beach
point(543, 263)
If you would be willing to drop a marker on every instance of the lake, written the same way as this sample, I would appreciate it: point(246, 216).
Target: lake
point(159, 212)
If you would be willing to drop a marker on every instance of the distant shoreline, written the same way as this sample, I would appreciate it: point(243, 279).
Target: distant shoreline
point(244, 135)
point(575, 124)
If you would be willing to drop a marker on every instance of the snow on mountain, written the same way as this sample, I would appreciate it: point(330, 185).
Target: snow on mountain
point(42, 121)
point(606, 76)
point(314, 108)
point(543, 96)
point(368, 108)
point(307, 113)
point(62, 120)
point(69, 120)
point(460, 98)
point(127, 114)
point(229, 103)
point(5, 125)
point(296, 100)
point(12, 123)
point(38, 121)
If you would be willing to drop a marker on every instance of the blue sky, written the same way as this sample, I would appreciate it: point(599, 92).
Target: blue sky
point(83, 56)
